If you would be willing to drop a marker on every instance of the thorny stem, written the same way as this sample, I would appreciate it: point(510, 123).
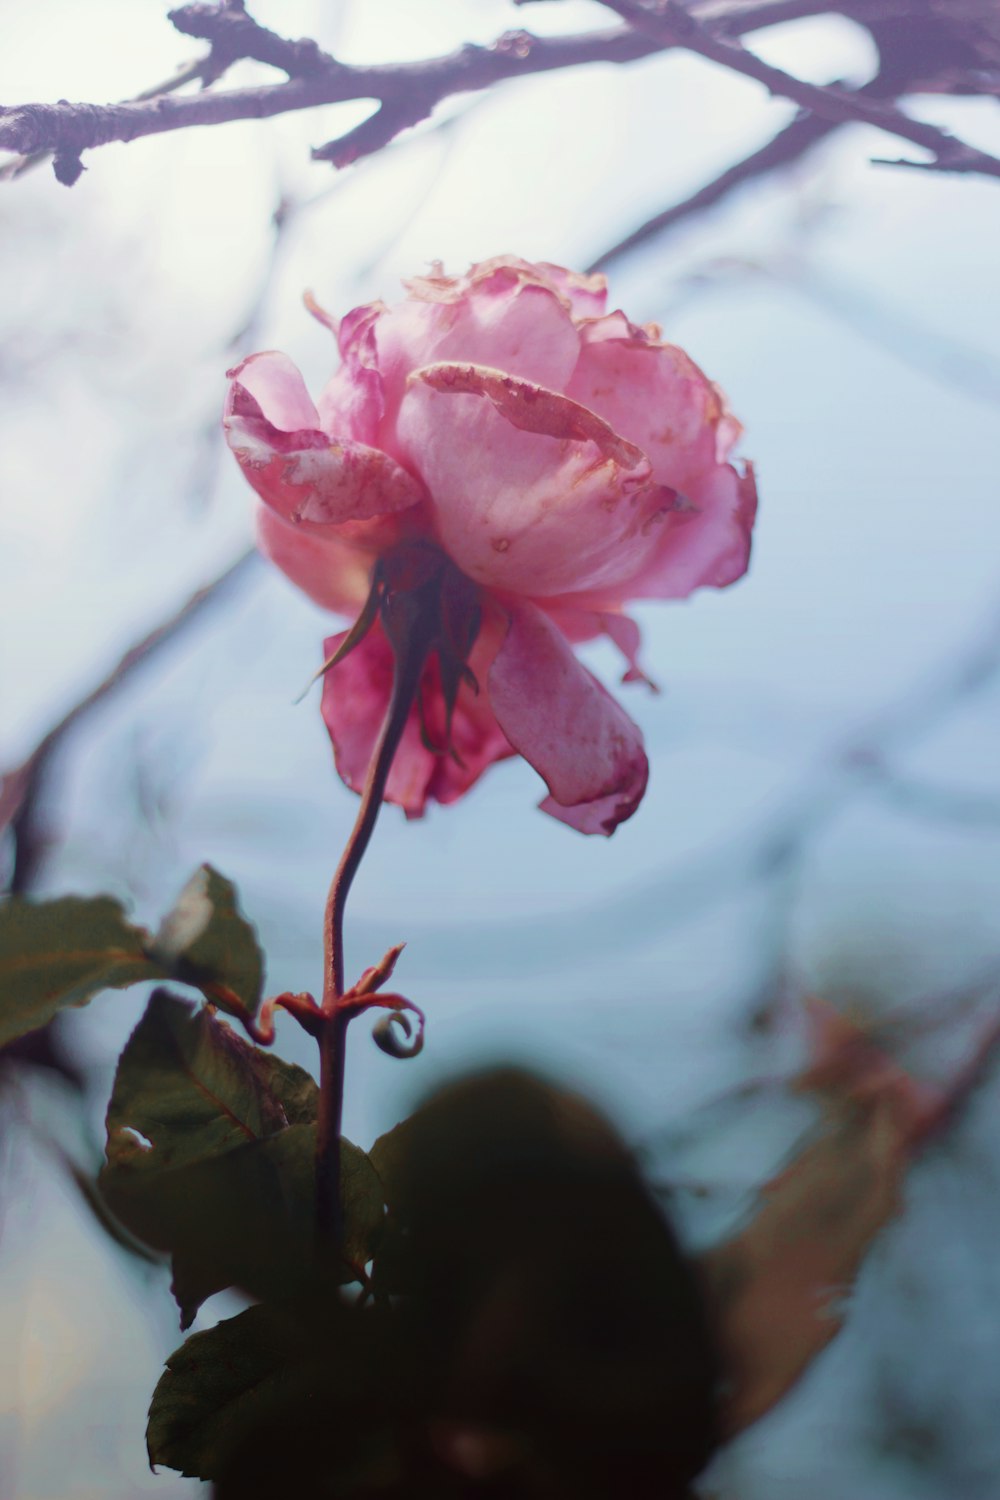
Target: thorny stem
point(410, 655)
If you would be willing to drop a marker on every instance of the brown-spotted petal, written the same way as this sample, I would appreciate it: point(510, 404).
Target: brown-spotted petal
point(301, 471)
point(566, 725)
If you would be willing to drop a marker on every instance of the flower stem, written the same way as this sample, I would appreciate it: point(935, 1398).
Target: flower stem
point(410, 653)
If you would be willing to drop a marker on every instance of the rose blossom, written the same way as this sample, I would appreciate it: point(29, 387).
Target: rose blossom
point(565, 460)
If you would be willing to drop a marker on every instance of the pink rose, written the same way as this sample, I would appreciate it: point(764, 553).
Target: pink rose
point(565, 460)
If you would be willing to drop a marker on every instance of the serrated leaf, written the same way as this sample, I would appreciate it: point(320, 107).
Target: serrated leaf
point(206, 941)
point(56, 954)
point(211, 1151)
point(205, 1399)
point(190, 1086)
point(292, 1400)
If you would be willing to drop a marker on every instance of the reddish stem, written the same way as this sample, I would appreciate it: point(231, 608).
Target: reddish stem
point(410, 652)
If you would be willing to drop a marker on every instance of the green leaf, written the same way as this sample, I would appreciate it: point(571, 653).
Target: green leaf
point(389, 1157)
point(211, 1153)
point(392, 1273)
point(297, 1400)
point(55, 954)
point(207, 942)
point(205, 1400)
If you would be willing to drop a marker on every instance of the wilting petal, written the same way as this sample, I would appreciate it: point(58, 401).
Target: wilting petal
point(353, 401)
point(531, 408)
point(355, 697)
point(579, 624)
point(586, 295)
point(334, 573)
point(296, 468)
point(559, 717)
point(707, 545)
point(532, 494)
point(497, 316)
point(476, 738)
point(655, 395)
point(271, 384)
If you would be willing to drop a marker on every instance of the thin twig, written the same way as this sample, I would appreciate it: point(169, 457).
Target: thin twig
point(667, 22)
point(791, 143)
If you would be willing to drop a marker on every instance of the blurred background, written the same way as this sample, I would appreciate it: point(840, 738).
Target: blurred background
point(824, 807)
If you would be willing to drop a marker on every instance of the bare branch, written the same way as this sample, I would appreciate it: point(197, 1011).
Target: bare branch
point(667, 22)
point(234, 35)
point(786, 147)
point(405, 92)
point(66, 129)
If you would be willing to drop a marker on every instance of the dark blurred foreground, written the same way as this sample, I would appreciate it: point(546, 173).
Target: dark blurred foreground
point(532, 1327)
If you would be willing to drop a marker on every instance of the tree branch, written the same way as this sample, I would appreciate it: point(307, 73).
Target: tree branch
point(234, 34)
point(791, 143)
point(66, 129)
point(667, 22)
point(406, 93)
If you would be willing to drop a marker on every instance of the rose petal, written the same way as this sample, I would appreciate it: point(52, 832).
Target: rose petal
point(559, 717)
point(586, 295)
point(275, 385)
point(585, 624)
point(707, 545)
point(333, 572)
point(498, 316)
point(654, 395)
point(296, 468)
point(476, 737)
point(583, 295)
point(353, 400)
point(531, 407)
point(355, 698)
point(625, 634)
point(531, 512)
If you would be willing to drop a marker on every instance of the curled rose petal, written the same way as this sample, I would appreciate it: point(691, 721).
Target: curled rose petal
point(586, 295)
point(532, 408)
point(270, 383)
point(532, 511)
point(705, 544)
point(656, 396)
point(304, 474)
point(559, 717)
point(515, 323)
point(353, 401)
point(578, 624)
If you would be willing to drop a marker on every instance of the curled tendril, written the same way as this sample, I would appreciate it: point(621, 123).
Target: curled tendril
point(386, 1033)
